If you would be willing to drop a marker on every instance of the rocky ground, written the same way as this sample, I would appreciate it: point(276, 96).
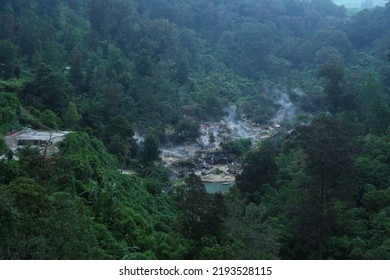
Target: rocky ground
point(205, 158)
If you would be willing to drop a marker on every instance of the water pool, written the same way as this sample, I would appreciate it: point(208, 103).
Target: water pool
point(213, 187)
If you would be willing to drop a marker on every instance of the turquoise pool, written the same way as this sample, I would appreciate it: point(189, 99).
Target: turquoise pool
point(217, 187)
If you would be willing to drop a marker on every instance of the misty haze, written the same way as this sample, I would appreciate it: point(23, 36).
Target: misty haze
point(194, 129)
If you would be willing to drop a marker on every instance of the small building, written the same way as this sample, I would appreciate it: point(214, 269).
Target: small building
point(44, 141)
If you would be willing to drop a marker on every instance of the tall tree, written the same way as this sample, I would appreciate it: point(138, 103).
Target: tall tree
point(50, 89)
point(72, 116)
point(192, 206)
point(333, 177)
point(8, 56)
point(150, 150)
point(9, 111)
point(259, 172)
point(119, 135)
point(333, 73)
point(76, 75)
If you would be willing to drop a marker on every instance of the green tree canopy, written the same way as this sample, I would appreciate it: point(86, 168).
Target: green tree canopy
point(8, 56)
point(50, 89)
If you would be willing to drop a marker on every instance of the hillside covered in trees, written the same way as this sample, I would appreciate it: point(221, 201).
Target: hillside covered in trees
point(117, 71)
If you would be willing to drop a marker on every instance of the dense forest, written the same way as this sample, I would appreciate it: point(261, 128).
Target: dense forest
point(110, 70)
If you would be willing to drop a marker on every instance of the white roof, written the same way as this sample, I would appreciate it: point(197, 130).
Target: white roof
point(52, 136)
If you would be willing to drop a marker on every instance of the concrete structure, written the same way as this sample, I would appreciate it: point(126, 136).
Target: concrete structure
point(44, 141)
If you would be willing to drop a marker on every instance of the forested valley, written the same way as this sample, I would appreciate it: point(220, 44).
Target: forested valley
point(128, 78)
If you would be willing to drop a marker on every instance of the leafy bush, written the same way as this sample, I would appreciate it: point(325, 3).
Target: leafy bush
point(237, 148)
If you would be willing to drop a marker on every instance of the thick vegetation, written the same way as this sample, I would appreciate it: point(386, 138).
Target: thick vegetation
point(107, 68)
